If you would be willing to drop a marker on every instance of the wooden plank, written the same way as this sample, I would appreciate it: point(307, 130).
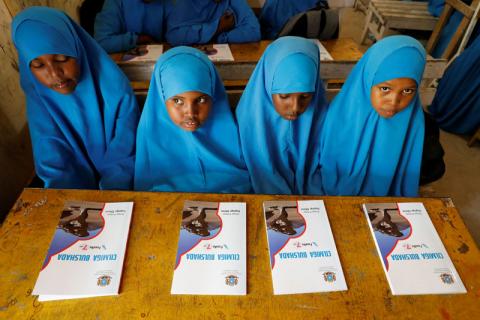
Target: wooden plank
point(464, 9)
point(442, 21)
point(145, 291)
point(141, 72)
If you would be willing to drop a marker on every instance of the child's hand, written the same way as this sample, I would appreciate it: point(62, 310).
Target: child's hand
point(227, 22)
point(144, 39)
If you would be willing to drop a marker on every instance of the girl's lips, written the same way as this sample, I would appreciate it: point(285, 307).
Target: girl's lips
point(191, 124)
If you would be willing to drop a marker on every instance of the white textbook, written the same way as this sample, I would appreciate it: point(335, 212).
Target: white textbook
point(412, 254)
point(216, 52)
point(303, 256)
point(324, 54)
point(85, 258)
point(144, 53)
point(211, 256)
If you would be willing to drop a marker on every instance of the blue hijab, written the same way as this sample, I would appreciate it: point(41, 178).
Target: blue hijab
point(361, 152)
point(196, 21)
point(456, 106)
point(276, 13)
point(172, 159)
point(120, 22)
point(85, 139)
point(277, 151)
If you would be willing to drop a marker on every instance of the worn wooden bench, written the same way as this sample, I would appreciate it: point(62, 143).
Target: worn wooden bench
point(386, 16)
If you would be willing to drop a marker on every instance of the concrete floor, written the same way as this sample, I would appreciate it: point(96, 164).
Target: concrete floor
point(461, 181)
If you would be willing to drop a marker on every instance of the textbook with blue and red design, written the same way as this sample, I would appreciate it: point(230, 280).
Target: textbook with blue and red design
point(412, 254)
point(85, 258)
point(211, 256)
point(303, 256)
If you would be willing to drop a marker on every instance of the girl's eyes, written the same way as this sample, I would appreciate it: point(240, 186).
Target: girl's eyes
point(202, 100)
point(408, 91)
point(284, 96)
point(384, 89)
point(305, 96)
point(36, 64)
point(177, 101)
point(61, 58)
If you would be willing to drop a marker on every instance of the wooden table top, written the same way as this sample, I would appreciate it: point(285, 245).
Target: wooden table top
point(339, 49)
point(148, 270)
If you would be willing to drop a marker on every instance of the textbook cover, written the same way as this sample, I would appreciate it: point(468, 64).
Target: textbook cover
point(413, 256)
point(85, 258)
point(144, 53)
point(324, 54)
point(216, 52)
point(303, 256)
point(211, 256)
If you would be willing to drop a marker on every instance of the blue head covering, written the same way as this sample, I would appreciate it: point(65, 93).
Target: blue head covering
point(120, 22)
point(361, 152)
point(85, 139)
point(172, 159)
point(196, 21)
point(276, 13)
point(277, 151)
point(456, 106)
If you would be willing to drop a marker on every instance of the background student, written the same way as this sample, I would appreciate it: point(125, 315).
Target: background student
point(82, 113)
point(280, 110)
point(124, 24)
point(371, 142)
point(187, 137)
point(192, 22)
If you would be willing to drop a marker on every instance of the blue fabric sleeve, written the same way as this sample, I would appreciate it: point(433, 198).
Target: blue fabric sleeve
point(247, 27)
point(110, 30)
point(197, 33)
point(119, 163)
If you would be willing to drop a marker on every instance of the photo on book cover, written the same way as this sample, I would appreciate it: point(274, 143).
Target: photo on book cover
point(389, 226)
point(78, 221)
point(200, 221)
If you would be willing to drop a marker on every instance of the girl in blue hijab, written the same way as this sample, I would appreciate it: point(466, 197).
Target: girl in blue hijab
point(280, 111)
point(372, 140)
point(456, 106)
point(276, 13)
point(122, 24)
point(187, 139)
point(81, 110)
point(202, 21)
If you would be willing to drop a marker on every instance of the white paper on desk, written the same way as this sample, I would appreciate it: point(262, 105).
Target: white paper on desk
point(303, 256)
point(324, 54)
point(146, 53)
point(216, 52)
point(211, 256)
point(412, 254)
point(85, 258)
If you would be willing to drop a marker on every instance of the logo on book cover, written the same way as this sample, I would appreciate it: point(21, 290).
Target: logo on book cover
point(231, 280)
point(329, 276)
point(103, 281)
point(447, 278)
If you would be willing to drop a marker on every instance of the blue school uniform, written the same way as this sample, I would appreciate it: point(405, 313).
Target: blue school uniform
point(196, 21)
point(278, 151)
point(276, 13)
point(120, 22)
point(456, 106)
point(85, 139)
point(363, 153)
point(170, 158)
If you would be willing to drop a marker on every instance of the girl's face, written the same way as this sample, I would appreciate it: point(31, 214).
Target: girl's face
point(291, 105)
point(56, 71)
point(189, 110)
point(391, 97)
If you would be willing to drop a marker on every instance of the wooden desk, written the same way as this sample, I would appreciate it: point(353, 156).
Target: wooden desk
point(235, 74)
point(145, 291)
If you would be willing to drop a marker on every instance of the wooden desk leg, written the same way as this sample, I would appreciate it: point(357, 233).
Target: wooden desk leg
point(367, 26)
point(475, 137)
